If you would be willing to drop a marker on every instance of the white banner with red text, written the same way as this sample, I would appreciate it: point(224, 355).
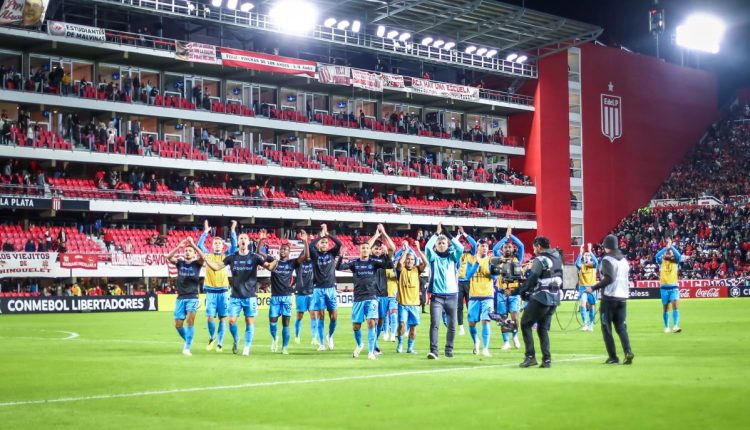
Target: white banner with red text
point(366, 80)
point(392, 81)
point(442, 89)
point(334, 75)
point(196, 52)
point(266, 63)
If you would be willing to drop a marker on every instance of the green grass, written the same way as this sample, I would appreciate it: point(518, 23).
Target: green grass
point(697, 379)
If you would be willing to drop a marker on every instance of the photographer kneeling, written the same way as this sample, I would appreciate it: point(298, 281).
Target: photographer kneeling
point(541, 291)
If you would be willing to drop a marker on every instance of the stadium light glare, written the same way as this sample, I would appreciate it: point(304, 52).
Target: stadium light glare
point(294, 16)
point(246, 7)
point(448, 46)
point(216, 3)
point(191, 7)
point(701, 32)
point(426, 41)
point(481, 51)
point(521, 59)
point(438, 43)
point(470, 49)
point(403, 37)
point(381, 31)
point(491, 53)
point(232, 4)
point(392, 34)
point(330, 22)
point(511, 57)
point(343, 25)
point(356, 25)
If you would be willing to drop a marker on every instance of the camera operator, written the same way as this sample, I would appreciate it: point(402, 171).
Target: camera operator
point(507, 270)
point(541, 290)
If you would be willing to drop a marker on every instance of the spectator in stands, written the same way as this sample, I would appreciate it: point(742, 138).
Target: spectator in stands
point(8, 247)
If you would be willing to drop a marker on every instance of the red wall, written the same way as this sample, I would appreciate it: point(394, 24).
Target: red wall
point(665, 111)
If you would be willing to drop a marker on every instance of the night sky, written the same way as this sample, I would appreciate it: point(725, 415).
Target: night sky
point(625, 22)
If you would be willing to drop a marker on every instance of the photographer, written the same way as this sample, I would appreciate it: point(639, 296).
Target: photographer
point(507, 268)
point(541, 291)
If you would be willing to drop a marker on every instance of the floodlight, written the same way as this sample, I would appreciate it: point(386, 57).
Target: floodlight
point(404, 37)
point(343, 25)
point(426, 41)
point(511, 57)
point(191, 7)
point(381, 31)
point(216, 3)
point(481, 51)
point(392, 34)
point(438, 43)
point(294, 16)
point(232, 4)
point(701, 32)
point(355, 26)
point(521, 59)
point(330, 22)
point(470, 49)
point(246, 7)
point(449, 45)
point(491, 53)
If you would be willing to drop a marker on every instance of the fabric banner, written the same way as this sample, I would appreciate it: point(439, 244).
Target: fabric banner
point(367, 80)
point(84, 32)
point(42, 305)
point(122, 259)
point(26, 264)
point(79, 261)
point(392, 81)
point(196, 52)
point(335, 75)
point(441, 89)
point(28, 13)
point(266, 62)
point(697, 283)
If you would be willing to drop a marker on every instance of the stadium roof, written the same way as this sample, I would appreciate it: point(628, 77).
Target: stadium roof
point(498, 25)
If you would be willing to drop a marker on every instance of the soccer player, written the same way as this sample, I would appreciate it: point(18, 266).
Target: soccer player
point(391, 284)
point(668, 259)
point(282, 268)
point(323, 257)
point(507, 303)
point(243, 299)
point(303, 290)
point(464, 282)
point(481, 297)
point(216, 285)
point(443, 255)
point(188, 281)
point(364, 270)
point(408, 294)
point(382, 250)
point(586, 264)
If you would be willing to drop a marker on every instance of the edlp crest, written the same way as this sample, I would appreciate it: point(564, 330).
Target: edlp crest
point(611, 115)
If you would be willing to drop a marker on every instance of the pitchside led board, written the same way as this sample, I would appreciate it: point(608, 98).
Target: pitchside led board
point(26, 13)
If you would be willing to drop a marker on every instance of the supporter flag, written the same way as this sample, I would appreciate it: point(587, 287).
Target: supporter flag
point(27, 13)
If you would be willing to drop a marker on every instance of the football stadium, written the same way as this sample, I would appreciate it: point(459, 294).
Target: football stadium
point(374, 214)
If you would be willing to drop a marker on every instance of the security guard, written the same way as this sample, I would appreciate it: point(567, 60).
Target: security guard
point(541, 291)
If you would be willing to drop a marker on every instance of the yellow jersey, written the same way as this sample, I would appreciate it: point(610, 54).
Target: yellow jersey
point(466, 260)
point(391, 282)
point(668, 273)
point(408, 286)
point(216, 279)
point(586, 275)
point(481, 282)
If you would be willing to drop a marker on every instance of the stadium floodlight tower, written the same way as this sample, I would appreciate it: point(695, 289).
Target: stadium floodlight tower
point(295, 16)
point(701, 32)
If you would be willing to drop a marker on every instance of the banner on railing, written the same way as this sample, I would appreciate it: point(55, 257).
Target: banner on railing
point(266, 62)
point(196, 52)
point(28, 13)
point(697, 283)
point(75, 31)
point(367, 80)
point(54, 203)
point(59, 305)
point(26, 264)
point(392, 81)
point(334, 75)
point(442, 89)
point(79, 261)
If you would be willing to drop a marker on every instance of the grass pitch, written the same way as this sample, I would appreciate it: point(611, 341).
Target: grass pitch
point(126, 371)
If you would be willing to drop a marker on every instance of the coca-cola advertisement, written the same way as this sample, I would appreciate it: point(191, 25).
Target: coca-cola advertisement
point(28, 13)
point(703, 293)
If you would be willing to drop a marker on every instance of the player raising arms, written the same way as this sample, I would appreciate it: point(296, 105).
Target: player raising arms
point(668, 259)
point(323, 257)
point(365, 273)
point(505, 302)
point(586, 264)
point(243, 299)
point(408, 294)
point(188, 283)
point(282, 268)
point(481, 294)
point(382, 248)
point(216, 285)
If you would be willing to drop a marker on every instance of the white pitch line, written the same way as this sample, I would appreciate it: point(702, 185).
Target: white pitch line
point(71, 335)
point(270, 384)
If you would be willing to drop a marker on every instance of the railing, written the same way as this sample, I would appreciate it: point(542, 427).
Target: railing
point(699, 201)
point(204, 199)
point(321, 33)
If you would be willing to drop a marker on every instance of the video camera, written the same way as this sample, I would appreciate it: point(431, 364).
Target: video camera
point(508, 271)
point(506, 324)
